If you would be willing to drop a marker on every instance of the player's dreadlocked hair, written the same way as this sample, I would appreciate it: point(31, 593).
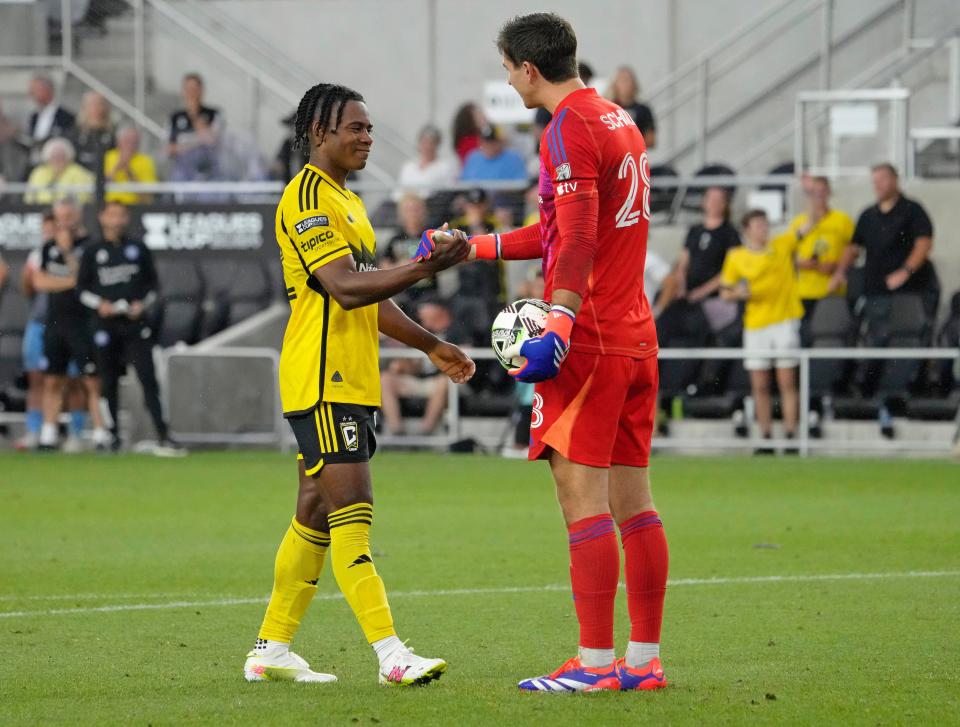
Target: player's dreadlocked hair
point(317, 104)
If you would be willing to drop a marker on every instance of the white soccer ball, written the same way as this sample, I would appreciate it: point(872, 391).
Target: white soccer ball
point(513, 325)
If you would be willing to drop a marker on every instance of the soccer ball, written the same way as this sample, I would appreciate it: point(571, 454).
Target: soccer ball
point(513, 325)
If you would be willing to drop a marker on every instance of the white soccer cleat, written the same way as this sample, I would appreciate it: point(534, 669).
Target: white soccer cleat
point(285, 667)
point(403, 668)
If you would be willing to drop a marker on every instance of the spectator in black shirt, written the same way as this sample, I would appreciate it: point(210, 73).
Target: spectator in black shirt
point(66, 337)
point(706, 246)
point(50, 120)
point(624, 91)
point(194, 135)
point(896, 237)
point(118, 281)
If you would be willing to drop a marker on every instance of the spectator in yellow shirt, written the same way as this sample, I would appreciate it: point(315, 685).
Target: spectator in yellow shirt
point(761, 274)
point(58, 176)
point(822, 235)
point(127, 164)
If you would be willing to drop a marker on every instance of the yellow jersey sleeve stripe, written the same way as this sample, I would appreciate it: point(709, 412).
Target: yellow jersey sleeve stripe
point(328, 256)
point(307, 193)
point(333, 432)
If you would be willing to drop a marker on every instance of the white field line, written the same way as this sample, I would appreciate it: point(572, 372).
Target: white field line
point(239, 601)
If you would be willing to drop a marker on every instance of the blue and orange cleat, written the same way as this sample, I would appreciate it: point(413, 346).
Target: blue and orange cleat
point(574, 677)
point(641, 678)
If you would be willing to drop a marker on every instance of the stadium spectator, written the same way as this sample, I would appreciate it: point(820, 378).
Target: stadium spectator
point(33, 359)
point(762, 275)
point(492, 160)
point(126, 163)
point(50, 120)
point(66, 336)
point(401, 248)
point(14, 155)
point(705, 247)
point(467, 123)
point(481, 278)
point(118, 282)
point(59, 176)
point(194, 135)
point(4, 272)
point(95, 132)
point(429, 172)
point(406, 378)
point(288, 161)
point(543, 116)
point(823, 235)
point(625, 91)
point(896, 237)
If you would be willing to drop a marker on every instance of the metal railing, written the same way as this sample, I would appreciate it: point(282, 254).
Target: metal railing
point(803, 442)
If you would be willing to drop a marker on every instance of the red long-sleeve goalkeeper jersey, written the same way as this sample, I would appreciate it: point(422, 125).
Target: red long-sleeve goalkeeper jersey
point(593, 158)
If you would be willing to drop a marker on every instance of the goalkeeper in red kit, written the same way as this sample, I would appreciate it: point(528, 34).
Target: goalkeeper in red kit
point(595, 364)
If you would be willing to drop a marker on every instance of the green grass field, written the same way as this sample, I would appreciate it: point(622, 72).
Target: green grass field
point(805, 592)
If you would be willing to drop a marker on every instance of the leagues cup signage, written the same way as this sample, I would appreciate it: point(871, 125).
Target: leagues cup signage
point(162, 227)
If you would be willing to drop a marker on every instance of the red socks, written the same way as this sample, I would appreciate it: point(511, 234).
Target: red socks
point(594, 574)
point(645, 551)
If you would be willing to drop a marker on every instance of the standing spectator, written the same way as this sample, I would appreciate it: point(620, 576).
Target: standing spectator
point(761, 274)
point(896, 237)
point(705, 247)
point(625, 91)
point(467, 123)
point(95, 132)
point(429, 172)
point(126, 163)
point(50, 120)
point(401, 248)
point(58, 176)
point(66, 337)
point(118, 281)
point(33, 358)
point(823, 235)
point(492, 160)
point(194, 135)
point(14, 156)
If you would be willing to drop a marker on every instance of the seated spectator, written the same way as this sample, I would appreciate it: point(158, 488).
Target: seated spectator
point(404, 378)
point(57, 175)
point(127, 163)
point(429, 172)
point(95, 132)
point(624, 91)
point(50, 120)
point(467, 123)
point(400, 249)
point(896, 237)
point(194, 135)
point(492, 160)
point(14, 155)
point(822, 238)
point(761, 274)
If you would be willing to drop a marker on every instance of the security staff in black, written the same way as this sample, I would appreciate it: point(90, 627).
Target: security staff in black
point(117, 280)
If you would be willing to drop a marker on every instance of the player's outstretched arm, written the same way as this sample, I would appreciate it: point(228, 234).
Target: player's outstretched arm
point(354, 289)
point(520, 244)
point(448, 358)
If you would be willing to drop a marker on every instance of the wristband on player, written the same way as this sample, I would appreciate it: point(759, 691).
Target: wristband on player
point(484, 247)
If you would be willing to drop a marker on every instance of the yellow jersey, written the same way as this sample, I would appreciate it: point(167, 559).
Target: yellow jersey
point(826, 243)
point(329, 354)
point(141, 170)
point(771, 278)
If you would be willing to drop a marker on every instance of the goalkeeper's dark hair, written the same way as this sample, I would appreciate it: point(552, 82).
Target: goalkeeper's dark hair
point(318, 104)
point(544, 39)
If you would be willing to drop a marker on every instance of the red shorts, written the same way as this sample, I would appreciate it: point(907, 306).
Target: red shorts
point(598, 411)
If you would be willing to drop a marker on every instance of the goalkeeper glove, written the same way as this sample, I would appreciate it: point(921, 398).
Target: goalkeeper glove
point(482, 247)
point(546, 352)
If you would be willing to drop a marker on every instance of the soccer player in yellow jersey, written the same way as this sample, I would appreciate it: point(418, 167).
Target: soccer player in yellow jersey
point(761, 273)
point(330, 387)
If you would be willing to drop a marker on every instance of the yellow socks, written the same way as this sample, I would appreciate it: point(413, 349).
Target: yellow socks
point(297, 568)
point(354, 571)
